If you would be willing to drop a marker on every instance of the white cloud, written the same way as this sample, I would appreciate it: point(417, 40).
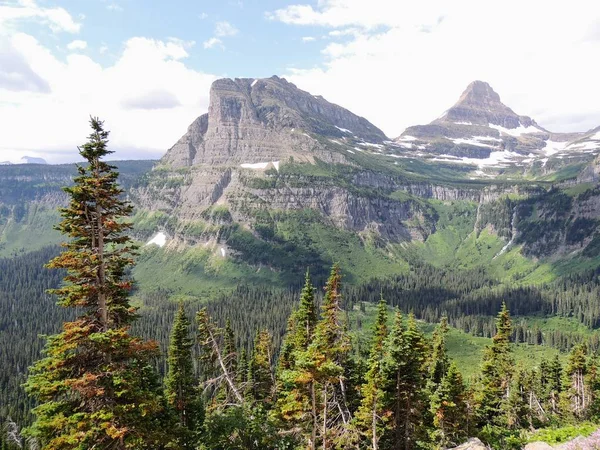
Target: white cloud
point(404, 63)
point(213, 42)
point(225, 29)
point(308, 38)
point(58, 19)
point(77, 45)
point(146, 114)
point(202, 16)
point(103, 49)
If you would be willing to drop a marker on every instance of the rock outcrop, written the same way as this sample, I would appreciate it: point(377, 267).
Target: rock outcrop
point(253, 121)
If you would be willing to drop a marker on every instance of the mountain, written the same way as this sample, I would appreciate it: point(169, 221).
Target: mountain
point(272, 180)
point(479, 130)
point(252, 121)
point(32, 160)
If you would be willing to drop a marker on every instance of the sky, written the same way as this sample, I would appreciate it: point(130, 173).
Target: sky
point(145, 67)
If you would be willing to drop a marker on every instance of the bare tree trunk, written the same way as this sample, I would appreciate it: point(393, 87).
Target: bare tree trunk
point(226, 373)
point(374, 438)
point(324, 432)
point(313, 396)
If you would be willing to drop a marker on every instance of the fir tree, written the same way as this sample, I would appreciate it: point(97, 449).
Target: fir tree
point(449, 409)
point(438, 361)
point(181, 383)
point(325, 360)
point(95, 386)
point(406, 370)
point(260, 368)
point(577, 393)
point(372, 416)
point(296, 390)
point(496, 373)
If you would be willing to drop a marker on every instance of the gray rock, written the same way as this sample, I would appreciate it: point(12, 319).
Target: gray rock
point(252, 121)
point(472, 444)
point(538, 446)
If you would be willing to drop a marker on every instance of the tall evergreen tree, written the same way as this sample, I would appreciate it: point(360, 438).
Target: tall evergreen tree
point(95, 386)
point(296, 390)
point(577, 393)
point(260, 368)
point(181, 385)
point(449, 409)
point(406, 370)
point(438, 361)
point(325, 360)
point(496, 373)
point(372, 415)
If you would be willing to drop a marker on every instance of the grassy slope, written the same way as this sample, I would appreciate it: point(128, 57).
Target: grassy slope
point(463, 348)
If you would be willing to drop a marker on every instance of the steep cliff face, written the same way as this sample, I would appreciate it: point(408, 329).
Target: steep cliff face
point(254, 121)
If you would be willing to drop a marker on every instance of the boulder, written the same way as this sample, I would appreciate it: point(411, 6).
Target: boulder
point(472, 444)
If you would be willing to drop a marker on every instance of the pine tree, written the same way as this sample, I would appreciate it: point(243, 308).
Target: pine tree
point(438, 361)
point(577, 392)
point(406, 370)
point(181, 383)
point(324, 365)
point(296, 391)
point(95, 386)
point(215, 361)
point(449, 409)
point(372, 416)
point(496, 373)
point(260, 368)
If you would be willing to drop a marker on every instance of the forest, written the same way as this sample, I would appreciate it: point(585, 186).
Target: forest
point(285, 370)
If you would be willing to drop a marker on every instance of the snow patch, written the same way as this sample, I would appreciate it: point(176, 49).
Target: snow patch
point(349, 151)
point(344, 130)
point(587, 145)
point(369, 144)
point(473, 141)
point(253, 83)
point(553, 147)
point(516, 131)
point(260, 165)
point(222, 252)
point(463, 123)
point(407, 138)
point(496, 159)
point(159, 239)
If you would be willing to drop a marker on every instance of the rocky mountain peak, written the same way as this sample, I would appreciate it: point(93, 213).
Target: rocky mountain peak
point(479, 104)
point(268, 119)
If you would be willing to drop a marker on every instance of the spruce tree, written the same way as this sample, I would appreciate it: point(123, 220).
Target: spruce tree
point(406, 370)
point(260, 368)
point(449, 409)
point(372, 415)
point(324, 365)
point(496, 374)
point(577, 394)
point(181, 385)
point(438, 360)
point(296, 391)
point(95, 386)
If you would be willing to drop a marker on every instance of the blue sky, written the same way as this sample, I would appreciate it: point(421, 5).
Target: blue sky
point(146, 66)
point(256, 46)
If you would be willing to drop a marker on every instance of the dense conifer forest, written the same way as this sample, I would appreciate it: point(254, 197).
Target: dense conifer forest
point(271, 368)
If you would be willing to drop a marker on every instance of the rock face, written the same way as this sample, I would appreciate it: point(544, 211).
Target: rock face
point(254, 121)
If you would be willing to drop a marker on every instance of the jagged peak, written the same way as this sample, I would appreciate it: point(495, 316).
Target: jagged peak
point(479, 92)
